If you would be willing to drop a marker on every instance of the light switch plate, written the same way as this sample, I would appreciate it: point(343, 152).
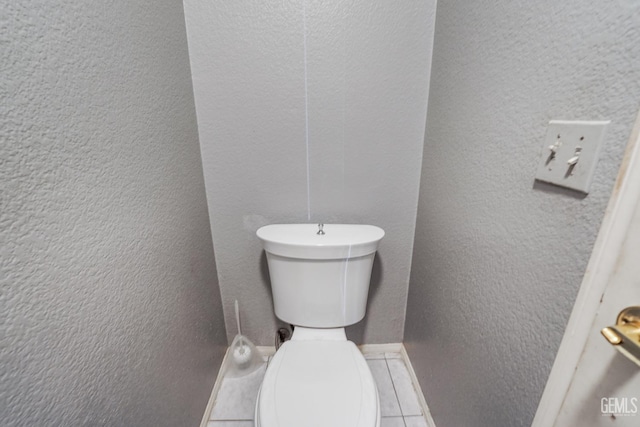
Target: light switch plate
point(568, 143)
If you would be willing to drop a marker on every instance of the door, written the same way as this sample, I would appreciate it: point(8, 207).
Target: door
point(591, 383)
point(606, 385)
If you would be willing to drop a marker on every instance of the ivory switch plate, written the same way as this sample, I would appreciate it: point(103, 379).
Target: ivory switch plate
point(570, 153)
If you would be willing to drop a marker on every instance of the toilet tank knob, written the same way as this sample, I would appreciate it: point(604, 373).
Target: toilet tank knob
point(320, 229)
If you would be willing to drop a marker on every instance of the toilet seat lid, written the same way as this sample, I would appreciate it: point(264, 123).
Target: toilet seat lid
point(318, 383)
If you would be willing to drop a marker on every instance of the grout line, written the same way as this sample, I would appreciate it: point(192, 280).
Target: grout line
point(395, 392)
point(396, 416)
point(413, 388)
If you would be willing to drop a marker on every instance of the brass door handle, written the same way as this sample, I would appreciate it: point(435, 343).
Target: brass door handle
point(625, 335)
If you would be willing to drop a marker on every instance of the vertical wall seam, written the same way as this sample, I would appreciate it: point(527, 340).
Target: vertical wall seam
point(419, 188)
point(306, 106)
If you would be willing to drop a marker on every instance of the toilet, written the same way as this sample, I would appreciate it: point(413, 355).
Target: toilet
point(320, 278)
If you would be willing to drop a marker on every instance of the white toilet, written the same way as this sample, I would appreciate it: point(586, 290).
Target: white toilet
point(320, 282)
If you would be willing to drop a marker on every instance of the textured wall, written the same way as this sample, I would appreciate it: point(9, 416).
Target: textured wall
point(498, 261)
point(109, 307)
point(335, 138)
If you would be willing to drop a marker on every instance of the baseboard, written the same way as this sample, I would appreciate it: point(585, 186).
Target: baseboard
point(266, 350)
point(380, 348)
point(214, 391)
point(416, 385)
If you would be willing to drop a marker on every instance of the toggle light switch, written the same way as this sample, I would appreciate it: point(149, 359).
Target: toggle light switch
point(554, 149)
point(574, 160)
point(570, 153)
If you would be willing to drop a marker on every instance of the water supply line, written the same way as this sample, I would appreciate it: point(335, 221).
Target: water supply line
point(282, 335)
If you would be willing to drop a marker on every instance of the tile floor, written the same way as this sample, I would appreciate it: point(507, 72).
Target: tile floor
point(399, 407)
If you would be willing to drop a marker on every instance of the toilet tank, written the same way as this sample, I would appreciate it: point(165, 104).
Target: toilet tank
point(320, 280)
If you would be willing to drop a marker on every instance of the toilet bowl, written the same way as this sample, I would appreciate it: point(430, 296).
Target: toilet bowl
point(318, 383)
point(320, 284)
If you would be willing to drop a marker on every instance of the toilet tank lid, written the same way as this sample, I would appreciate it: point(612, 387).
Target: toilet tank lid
point(303, 240)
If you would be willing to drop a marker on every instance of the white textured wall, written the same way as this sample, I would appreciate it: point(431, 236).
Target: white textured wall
point(109, 306)
point(344, 147)
point(498, 261)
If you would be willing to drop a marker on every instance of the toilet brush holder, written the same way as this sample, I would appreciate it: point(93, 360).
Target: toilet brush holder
point(244, 357)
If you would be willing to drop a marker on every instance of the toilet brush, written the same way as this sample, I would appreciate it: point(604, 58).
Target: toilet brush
point(244, 355)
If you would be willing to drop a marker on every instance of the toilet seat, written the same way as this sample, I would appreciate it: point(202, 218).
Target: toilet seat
point(318, 384)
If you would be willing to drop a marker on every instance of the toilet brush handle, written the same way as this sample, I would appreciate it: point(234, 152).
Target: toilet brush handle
point(238, 317)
